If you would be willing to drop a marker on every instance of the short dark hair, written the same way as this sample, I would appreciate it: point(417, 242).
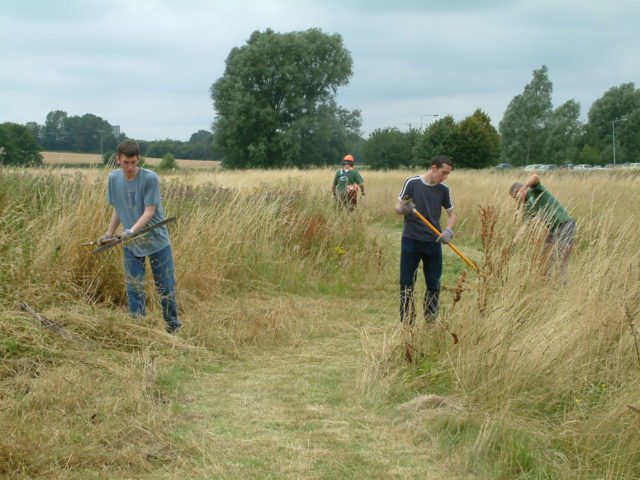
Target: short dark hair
point(128, 148)
point(514, 188)
point(440, 160)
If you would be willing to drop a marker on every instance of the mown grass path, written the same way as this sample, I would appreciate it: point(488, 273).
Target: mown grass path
point(295, 412)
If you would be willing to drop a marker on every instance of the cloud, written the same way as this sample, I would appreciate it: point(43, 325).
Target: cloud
point(148, 65)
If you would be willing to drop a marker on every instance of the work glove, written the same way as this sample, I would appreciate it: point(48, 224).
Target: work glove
point(446, 236)
point(126, 234)
point(106, 238)
point(408, 206)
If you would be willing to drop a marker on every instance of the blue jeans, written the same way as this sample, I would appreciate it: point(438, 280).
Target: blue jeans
point(413, 251)
point(164, 278)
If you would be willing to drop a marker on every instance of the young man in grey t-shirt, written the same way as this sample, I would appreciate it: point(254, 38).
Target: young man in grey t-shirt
point(430, 196)
point(134, 193)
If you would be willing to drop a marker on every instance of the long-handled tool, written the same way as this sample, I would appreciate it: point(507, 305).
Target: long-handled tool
point(119, 240)
point(451, 245)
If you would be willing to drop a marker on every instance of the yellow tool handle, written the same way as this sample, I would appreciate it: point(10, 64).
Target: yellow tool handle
point(451, 245)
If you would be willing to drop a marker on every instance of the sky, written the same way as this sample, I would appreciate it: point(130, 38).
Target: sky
point(148, 65)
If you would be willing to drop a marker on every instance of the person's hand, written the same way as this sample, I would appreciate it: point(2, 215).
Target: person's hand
point(106, 238)
point(408, 206)
point(522, 194)
point(126, 234)
point(446, 236)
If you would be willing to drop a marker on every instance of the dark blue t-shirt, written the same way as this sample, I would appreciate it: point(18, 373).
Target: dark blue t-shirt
point(429, 201)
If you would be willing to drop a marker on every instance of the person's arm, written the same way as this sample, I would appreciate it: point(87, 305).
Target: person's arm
point(452, 218)
point(113, 224)
point(145, 218)
point(400, 208)
point(362, 188)
point(531, 182)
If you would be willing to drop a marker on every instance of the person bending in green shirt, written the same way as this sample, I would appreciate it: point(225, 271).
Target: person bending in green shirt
point(538, 203)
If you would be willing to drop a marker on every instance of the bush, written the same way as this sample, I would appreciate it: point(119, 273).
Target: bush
point(168, 162)
point(18, 146)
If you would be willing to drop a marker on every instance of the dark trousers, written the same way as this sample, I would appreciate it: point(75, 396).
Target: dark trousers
point(412, 252)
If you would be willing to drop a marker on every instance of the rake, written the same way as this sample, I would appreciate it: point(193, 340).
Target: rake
point(122, 241)
point(451, 245)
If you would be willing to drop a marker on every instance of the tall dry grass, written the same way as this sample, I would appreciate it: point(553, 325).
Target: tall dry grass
point(101, 390)
point(548, 368)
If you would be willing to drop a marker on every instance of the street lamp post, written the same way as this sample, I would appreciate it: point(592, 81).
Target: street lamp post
point(427, 115)
point(613, 137)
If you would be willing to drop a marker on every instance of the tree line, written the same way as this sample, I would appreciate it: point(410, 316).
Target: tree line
point(275, 106)
point(89, 134)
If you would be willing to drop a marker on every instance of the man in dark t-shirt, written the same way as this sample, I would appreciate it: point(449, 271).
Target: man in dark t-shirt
point(430, 196)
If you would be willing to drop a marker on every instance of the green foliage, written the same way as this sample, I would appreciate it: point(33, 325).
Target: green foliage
point(524, 126)
point(439, 138)
point(168, 162)
point(472, 143)
point(589, 155)
point(620, 105)
point(564, 130)
point(389, 148)
point(275, 102)
point(478, 142)
point(88, 133)
point(199, 147)
point(19, 146)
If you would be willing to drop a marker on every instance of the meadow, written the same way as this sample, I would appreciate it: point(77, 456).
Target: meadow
point(292, 362)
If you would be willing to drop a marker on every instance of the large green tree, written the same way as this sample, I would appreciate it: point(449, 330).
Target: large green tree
point(389, 148)
point(18, 146)
point(621, 105)
point(440, 138)
point(53, 132)
point(477, 142)
point(275, 103)
point(563, 133)
point(524, 125)
point(88, 133)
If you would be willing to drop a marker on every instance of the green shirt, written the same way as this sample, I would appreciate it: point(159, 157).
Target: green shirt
point(346, 177)
point(544, 206)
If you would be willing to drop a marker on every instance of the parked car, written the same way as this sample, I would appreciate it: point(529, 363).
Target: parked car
point(532, 167)
point(503, 166)
point(547, 167)
point(583, 166)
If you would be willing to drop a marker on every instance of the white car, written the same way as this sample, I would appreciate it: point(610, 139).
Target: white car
point(583, 166)
point(533, 166)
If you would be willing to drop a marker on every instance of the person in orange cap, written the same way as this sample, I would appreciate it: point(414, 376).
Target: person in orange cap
point(346, 184)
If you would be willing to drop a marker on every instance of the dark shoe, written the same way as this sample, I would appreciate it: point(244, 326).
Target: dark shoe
point(173, 328)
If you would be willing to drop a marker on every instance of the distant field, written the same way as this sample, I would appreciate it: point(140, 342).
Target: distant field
point(67, 158)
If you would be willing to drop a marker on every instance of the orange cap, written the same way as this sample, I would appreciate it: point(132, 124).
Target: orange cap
point(348, 158)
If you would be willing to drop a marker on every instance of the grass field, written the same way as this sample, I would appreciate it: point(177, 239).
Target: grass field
point(86, 159)
point(292, 362)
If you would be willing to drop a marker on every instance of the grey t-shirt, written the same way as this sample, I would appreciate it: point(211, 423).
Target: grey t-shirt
point(129, 198)
point(429, 200)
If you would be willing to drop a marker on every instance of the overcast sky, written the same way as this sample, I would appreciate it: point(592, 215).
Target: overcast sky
point(148, 65)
